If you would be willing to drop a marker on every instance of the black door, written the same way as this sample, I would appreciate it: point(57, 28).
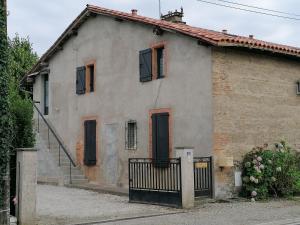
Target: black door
point(160, 136)
point(90, 142)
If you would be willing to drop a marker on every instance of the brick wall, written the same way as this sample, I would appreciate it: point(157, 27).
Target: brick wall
point(255, 102)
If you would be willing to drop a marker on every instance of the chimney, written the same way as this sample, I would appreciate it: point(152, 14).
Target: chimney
point(175, 17)
point(251, 36)
point(134, 12)
point(224, 31)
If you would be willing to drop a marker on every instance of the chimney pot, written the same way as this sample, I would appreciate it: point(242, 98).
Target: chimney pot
point(251, 36)
point(134, 12)
point(175, 17)
point(224, 31)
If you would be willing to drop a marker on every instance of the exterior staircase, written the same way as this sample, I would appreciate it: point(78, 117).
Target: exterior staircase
point(55, 163)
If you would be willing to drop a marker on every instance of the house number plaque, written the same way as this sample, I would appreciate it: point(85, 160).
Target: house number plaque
point(201, 165)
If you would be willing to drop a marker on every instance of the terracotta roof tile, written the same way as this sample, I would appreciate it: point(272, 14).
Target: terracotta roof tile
point(207, 36)
point(210, 36)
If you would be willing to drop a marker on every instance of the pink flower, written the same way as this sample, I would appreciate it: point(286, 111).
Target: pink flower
point(15, 200)
point(259, 159)
point(261, 167)
point(253, 193)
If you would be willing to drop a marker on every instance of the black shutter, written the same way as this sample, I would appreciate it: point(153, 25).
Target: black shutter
point(146, 65)
point(80, 80)
point(154, 136)
point(160, 137)
point(90, 142)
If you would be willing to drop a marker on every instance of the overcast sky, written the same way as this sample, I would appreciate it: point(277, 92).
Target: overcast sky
point(43, 21)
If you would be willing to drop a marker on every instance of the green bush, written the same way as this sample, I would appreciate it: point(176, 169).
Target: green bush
point(22, 114)
point(271, 172)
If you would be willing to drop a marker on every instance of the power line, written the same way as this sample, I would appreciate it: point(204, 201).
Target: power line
point(260, 8)
point(249, 10)
point(159, 9)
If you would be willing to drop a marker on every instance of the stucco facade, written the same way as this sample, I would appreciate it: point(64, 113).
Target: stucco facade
point(119, 96)
point(223, 94)
point(254, 102)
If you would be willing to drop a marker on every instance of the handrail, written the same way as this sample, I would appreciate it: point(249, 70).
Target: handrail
point(54, 134)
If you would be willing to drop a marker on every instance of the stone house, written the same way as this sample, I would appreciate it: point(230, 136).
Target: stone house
point(113, 79)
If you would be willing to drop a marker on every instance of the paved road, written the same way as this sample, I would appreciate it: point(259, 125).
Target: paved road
point(60, 205)
point(164, 220)
point(274, 213)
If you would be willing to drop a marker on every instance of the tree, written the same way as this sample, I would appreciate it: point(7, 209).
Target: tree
point(5, 118)
point(21, 59)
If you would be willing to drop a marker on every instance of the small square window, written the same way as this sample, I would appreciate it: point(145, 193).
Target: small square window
point(131, 135)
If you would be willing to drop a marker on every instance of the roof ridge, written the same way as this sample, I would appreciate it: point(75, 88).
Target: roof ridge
point(223, 36)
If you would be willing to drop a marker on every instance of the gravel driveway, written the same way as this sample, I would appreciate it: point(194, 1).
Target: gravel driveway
point(60, 205)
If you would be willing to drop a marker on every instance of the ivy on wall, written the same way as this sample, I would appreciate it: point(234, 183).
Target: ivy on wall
point(6, 133)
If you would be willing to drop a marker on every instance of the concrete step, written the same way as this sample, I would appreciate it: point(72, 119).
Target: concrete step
point(74, 171)
point(75, 177)
point(65, 164)
point(78, 181)
point(62, 154)
point(58, 154)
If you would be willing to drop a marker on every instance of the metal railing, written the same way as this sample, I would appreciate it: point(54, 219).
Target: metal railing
point(203, 176)
point(61, 146)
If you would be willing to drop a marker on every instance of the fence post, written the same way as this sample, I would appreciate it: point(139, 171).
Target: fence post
point(187, 176)
point(26, 186)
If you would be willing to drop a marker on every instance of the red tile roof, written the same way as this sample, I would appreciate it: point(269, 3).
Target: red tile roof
point(209, 36)
point(204, 35)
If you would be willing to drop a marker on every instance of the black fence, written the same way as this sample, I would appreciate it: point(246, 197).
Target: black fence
point(155, 182)
point(203, 176)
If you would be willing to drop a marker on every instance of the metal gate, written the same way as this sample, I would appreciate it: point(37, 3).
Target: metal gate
point(203, 177)
point(156, 182)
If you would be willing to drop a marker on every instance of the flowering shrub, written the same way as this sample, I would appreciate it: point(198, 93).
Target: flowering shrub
point(271, 172)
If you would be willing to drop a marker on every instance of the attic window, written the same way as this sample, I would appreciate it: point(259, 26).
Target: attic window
point(160, 62)
point(90, 77)
point(85, 79)
point(153, 62)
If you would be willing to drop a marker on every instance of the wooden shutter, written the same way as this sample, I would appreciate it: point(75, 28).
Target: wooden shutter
point(160, 136)
point(80, 80)
point(90, 142)
point(146, 65)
